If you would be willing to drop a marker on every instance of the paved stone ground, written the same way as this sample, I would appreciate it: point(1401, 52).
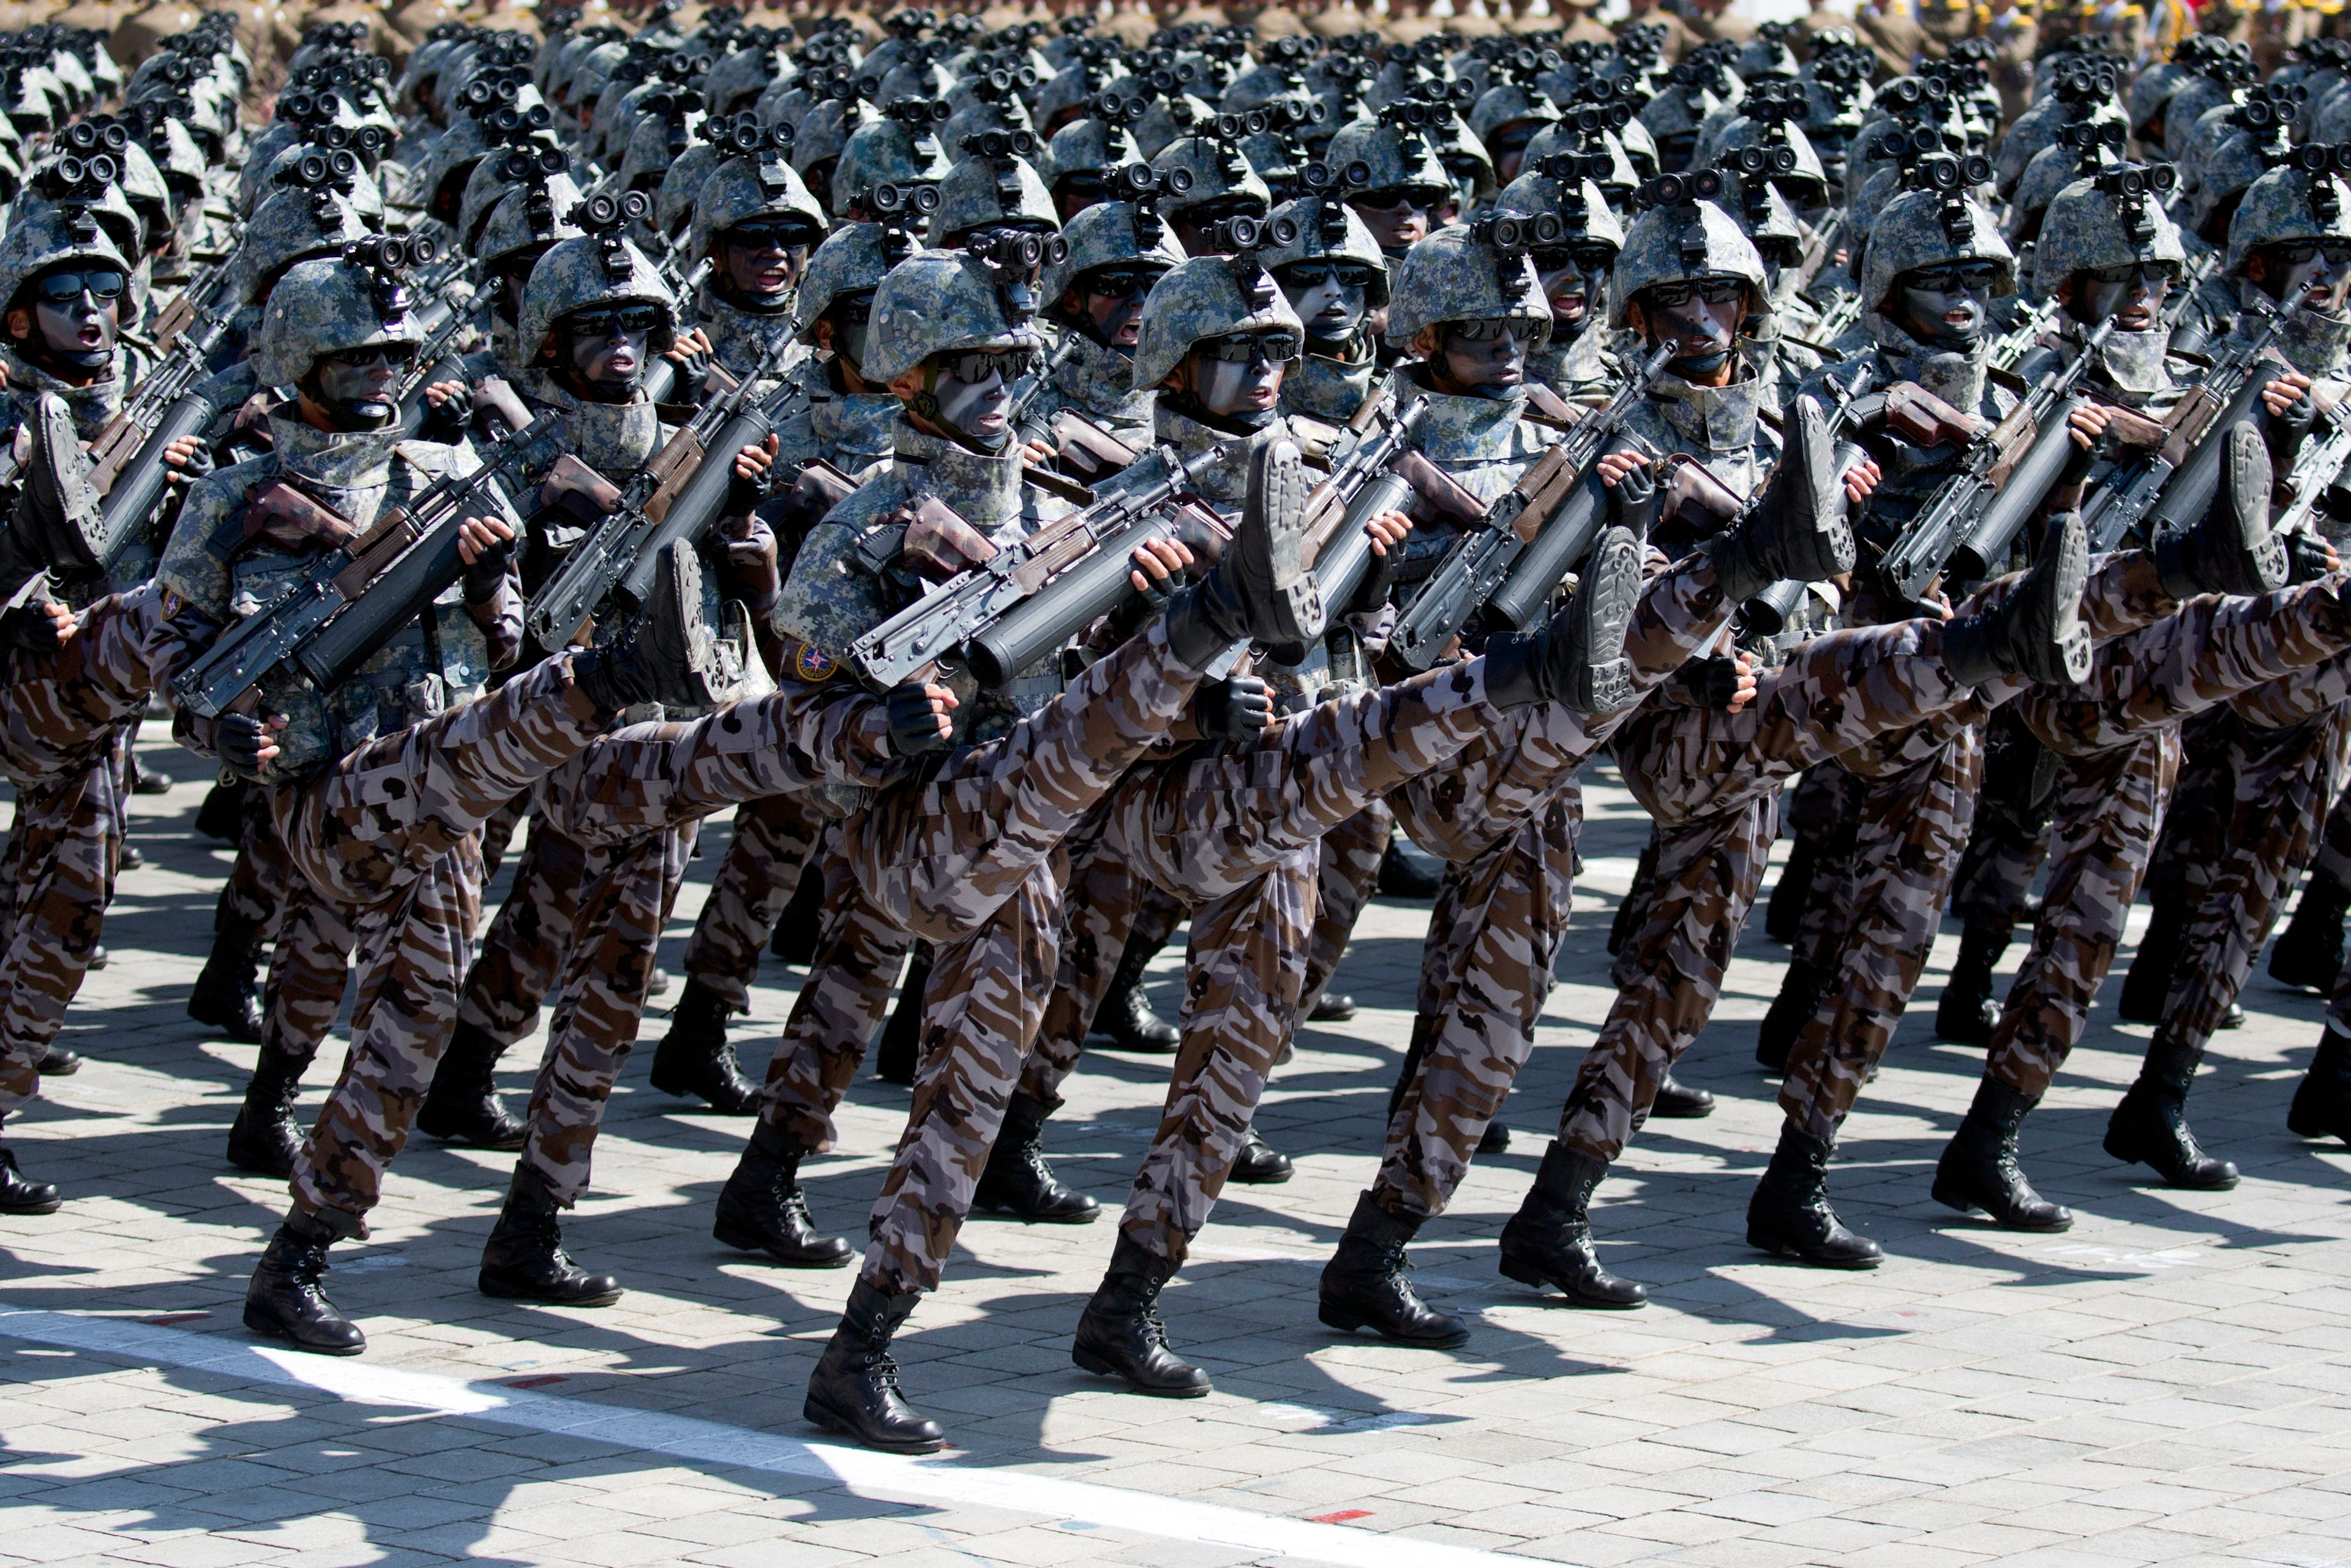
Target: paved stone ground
point(2166, 1383)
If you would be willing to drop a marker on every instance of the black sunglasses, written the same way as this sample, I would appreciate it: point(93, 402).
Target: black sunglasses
point(1310, 274)
point(1244, 348)
point(608, 323)
point(1713, 290)
point(770, 234)
point(1122, 282)
point(1583, 257)
point(1956, 277)
point(65, 287)
point(2294, 252)
point(397, 355)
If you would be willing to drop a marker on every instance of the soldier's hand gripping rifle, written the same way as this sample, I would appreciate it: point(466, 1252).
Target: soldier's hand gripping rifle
point(1509, 566)
point(2004, 474)
point(362, 594)
point(2183, 452)
point(1363, 484)
point(127, 466)
point(678, 495)
point(1025, 600)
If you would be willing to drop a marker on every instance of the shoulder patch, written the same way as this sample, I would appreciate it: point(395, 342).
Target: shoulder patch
point(811, 665)
point(171, 603)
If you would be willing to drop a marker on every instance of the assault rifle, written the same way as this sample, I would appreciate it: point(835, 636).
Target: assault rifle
point(1363, 484)
point(442, 321)
point(1028, 389)
point(2317, 479)
point(2002, 476)
point(1508, 565)
point(2228, 394)
point(1020, 602)
point(324, 629)
point(127, 465)
point(661, 384)
point(677, 495)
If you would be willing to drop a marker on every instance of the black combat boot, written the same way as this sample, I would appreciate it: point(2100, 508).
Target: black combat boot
point(695, 1062)
point(1259, 1164)
point(1366, 1283)
point(1407, 871)
point(801, 924)
point(1791, 1010)
point(2321, 1100)
point(1495, 1139)
point(1790, 1215)
point(2309, 951)
point(57, 1061)
point(285, 1301)
point(2037, 630)
point(1678, 1102)
point(18, 1195)
point(2147, 986)
point(1549, 1240)
point(2150, 1126)
point(667, 653)
point(762, 1209)
point(524, 1258)
point(2232, 550)
point(1125, 1016)
point(1783, 913)
point(221, 815)
point(1967, 1014)
point(1120, 1335)
point(1260, 590)
point(1332, 1007)
point(461, 1105)
point(227, 995)
point(1578, 659)
point(899, 1050)
point(1017, 1183)
point(1980, 1168)
point(263, 1139)
point(1800, 531)
point(854, 1389)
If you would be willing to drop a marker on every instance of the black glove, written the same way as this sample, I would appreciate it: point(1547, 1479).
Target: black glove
point(2287, 431)
point(1634, 500)
point(199, 463)
point(914, 723)
point(1708, 682)
point(488, 572)
point(28, 627)
point(745, 494)
point(446, 422)
point(1237, 707)
point(1378, 578)
point(1136, 611)
point(238, 738)
point(2308, 558)
point(2079, 461)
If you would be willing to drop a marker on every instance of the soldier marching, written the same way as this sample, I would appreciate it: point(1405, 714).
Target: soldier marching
point(1060, 481)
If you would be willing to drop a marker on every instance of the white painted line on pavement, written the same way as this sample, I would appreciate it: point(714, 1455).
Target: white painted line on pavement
point(887, 1476)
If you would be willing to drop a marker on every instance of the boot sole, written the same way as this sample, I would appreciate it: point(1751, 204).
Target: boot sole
point(817, 1415)
point(517, 1294)
point(1087, 1360)
point(1254, 1179)
point(745, 1242)
point(1527, 1274)
point(1349, 1323)
point(1777, 1248)
point(713, 1108)
point(459, 1138)
point(268, 1330)
point(49, 1207)
point(1610, 595)
point(1951, 1198)
point(244, 1160)
point(231, 1030)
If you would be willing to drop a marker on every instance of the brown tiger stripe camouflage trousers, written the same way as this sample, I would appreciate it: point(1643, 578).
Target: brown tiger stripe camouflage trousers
point(773, 845)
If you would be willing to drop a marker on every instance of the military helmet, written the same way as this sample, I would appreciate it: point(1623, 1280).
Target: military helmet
point(531, 213)
point(1935, 219)
point(1207, 296)
point(1108, 233)
point(1578, 202)
point(994, 186)
point(2151, 91)
point(901, 148)
point(295, 223)
point(2053, 168)
point(1089, 146)
point(1482, 271)
point(1600, 154)
point(329, 305)
point(1804, 179)
point(600, 268)
point(2306, 199)
point(754, 181)
point(1680, 234)
point(1506, 104)
point(739, 76)
point(853, 260)
point(1068, 90)
point(1216, 170)
point(53, 236)
point(1396, 156)
point(682, 181)
point(2109, 218)
point(940, 301)
point(1327, 227)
